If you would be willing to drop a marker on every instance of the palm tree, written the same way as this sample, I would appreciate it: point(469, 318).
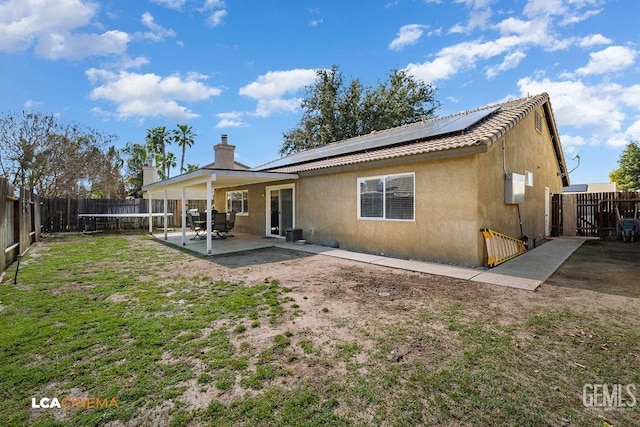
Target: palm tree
point(169, 162)
point(184, 136)
point(157, 140)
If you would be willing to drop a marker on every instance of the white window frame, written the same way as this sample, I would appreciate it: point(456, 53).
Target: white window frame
point(245, 211)
point(384, 204)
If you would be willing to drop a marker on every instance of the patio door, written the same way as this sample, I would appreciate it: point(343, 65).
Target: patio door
point(280, 209)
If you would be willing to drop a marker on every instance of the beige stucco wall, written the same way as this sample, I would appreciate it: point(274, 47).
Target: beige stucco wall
point(526, 150)
point(454, 199)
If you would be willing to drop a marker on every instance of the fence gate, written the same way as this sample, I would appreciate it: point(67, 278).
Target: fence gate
point(591, 214)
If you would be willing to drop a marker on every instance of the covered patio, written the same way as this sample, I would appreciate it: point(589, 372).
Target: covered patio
point(200, 184)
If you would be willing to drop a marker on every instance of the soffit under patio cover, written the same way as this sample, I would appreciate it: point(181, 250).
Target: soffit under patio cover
point(220, 178)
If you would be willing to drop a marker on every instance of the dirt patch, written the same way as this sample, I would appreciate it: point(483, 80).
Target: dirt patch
point(610, 267)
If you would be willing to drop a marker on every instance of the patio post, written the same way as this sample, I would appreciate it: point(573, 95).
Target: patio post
point(184, 215)
point(150, 212)
point(165, 215)
point(209, 216)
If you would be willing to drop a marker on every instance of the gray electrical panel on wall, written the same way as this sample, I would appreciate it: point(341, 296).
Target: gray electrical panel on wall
point(514, 184)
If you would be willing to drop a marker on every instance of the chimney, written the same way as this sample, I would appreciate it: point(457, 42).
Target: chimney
point(149, 172)
point(224, 154)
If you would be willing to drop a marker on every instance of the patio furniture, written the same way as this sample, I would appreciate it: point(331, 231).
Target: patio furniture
point(219, 225)
point(231, 222)
point(195, 224)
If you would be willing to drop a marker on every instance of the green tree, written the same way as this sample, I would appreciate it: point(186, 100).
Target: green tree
point(49, 157)
point(170, 161)
point(136, 156)
point(184, 137)
point(333, 111)
point(627, 176)
point(191, 167)
point(157, 140)
point(106, 181)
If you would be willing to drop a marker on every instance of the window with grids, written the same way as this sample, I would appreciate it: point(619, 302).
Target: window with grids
point(389, 197)
point(238, 201)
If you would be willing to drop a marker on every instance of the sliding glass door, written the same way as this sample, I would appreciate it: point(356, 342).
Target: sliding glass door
point(280, 210)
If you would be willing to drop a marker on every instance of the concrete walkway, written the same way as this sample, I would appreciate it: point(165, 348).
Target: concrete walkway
point(527, 271)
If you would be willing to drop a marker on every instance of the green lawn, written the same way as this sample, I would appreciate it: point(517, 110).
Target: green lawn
point(111, 317)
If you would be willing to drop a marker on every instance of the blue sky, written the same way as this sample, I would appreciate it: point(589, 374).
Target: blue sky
point(239, 67)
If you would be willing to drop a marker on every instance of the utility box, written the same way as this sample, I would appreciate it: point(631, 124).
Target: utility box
point(514, 185)
point(292, 235)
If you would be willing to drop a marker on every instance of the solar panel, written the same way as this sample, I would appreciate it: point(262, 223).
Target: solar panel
point(375, 140)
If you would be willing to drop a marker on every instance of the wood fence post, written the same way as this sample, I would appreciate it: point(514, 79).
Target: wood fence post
point(4, 222)
point(25, 220)
point(37, 217)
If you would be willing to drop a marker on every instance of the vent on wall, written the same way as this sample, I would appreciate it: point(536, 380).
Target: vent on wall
point(538, 119)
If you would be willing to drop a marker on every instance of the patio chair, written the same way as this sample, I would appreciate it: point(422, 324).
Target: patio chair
point(231, 222)
point(193, 217)
point(219, 226)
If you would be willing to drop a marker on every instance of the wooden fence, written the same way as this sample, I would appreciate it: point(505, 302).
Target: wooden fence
point(59, 215)
point(591, 214)
point(19, 222)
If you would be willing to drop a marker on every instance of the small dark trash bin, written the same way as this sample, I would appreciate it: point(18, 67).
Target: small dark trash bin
point(293, 235)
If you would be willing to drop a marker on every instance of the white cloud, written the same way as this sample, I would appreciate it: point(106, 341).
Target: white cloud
point(593, 40)
point(216, 18)
point(23, 22)
point(479, 16)
point(219, 12)
point(407, 36)
point(30, 104)
point(273, 91)
point(571, 143)
point(510, 61)
point(80, 46)
point(157, 32)
point(51, 26)
point(171, 4)
point(275, 84)
point(611, 59)
point(231, 120)
point(149, 95)
point(517, 37)
point(601, 108)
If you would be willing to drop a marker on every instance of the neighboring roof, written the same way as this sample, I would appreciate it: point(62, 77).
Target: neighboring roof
point(237, 166)
point(575, 188)
point(603, 187)
point(483, 127)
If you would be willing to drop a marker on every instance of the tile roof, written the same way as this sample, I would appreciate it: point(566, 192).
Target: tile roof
point(487, 131)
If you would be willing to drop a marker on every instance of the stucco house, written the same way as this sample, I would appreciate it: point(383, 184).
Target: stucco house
point(420, 191)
